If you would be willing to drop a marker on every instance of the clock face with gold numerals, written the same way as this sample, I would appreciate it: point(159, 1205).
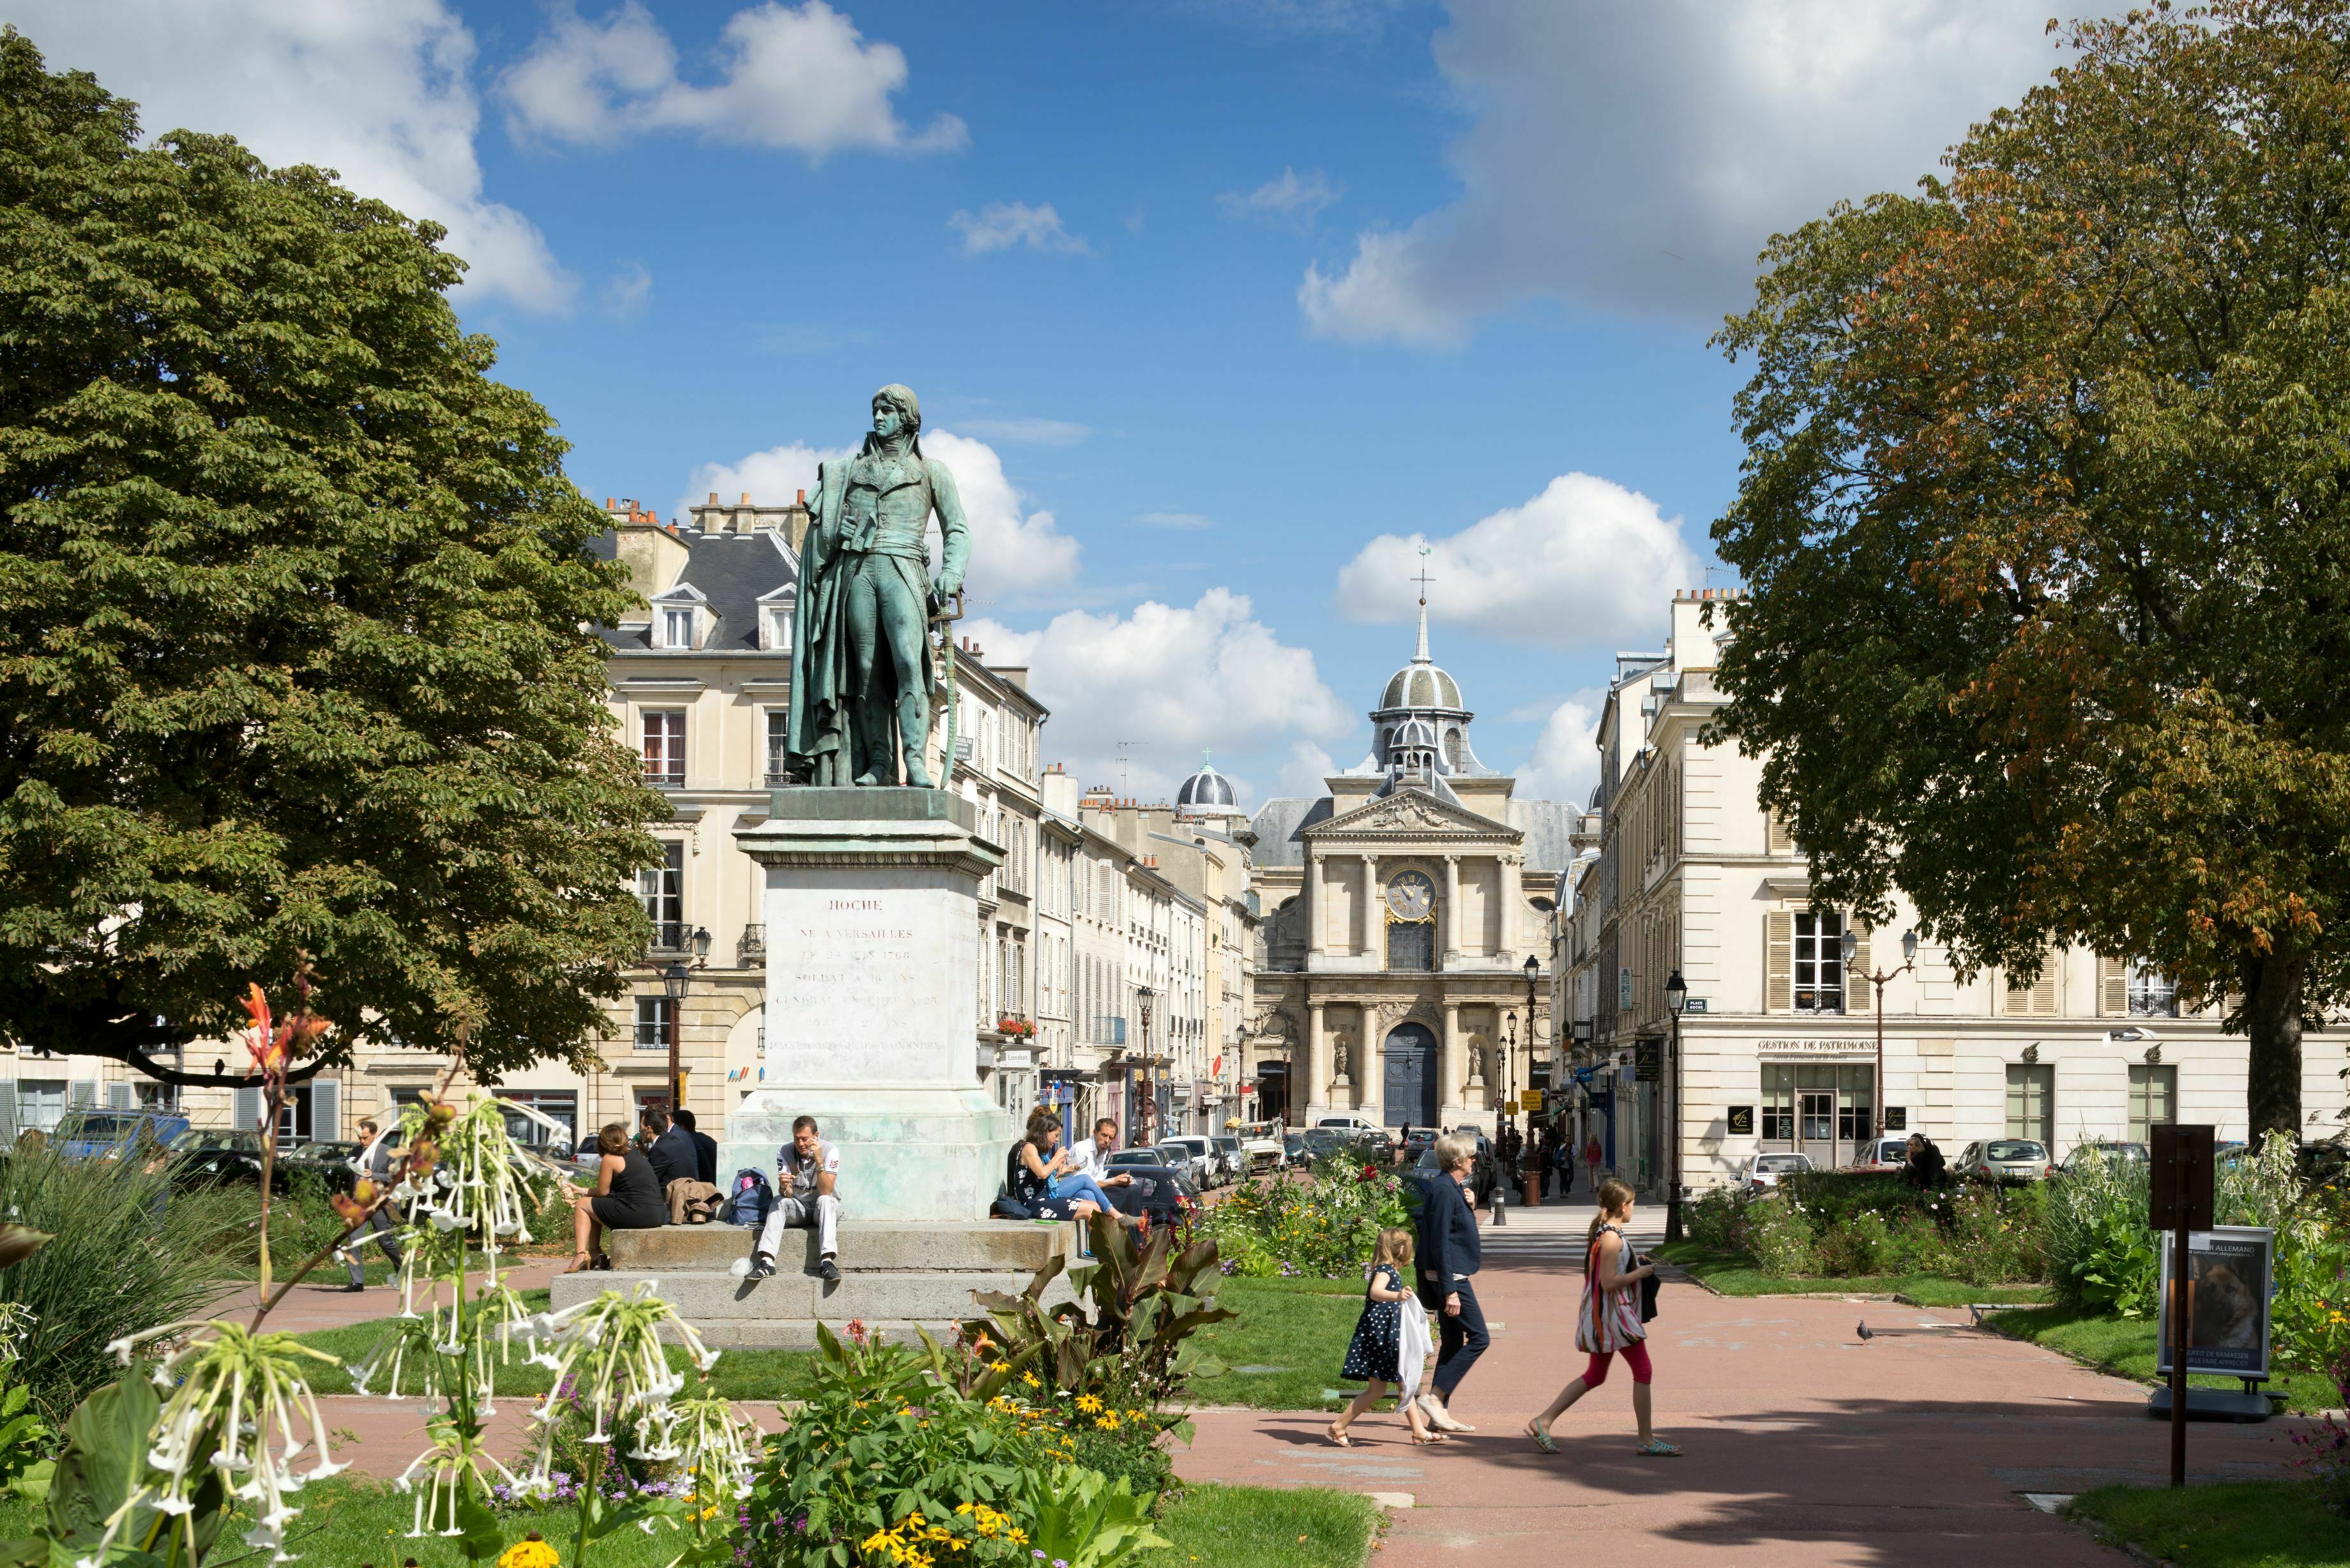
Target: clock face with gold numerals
point(1412, 896)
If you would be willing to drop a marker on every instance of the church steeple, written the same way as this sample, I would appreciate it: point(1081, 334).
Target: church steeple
point(1420, 656)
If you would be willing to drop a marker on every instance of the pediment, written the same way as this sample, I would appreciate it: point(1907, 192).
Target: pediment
point(1413, 813)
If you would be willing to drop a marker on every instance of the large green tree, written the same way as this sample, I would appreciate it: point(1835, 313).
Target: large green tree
point(2045, 514)
point(295, 662)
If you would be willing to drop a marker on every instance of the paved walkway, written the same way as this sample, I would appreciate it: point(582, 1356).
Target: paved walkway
point(320, 1302)
point(1805, 1444)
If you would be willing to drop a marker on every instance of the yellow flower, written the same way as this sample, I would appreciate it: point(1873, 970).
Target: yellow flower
point(1107, 1423)
point(1088, 1404)
point(962, 1508)
point(877, 1541)
point(999, 1367)
point(531, 1553)
point(1018, 1537)
point(1030, 1379)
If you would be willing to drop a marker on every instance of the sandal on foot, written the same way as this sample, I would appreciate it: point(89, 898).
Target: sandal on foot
point(1337, 1438)
point(1541, 1438)
point(580, 1263)
point(1426, 1439)
point(1657, 1449)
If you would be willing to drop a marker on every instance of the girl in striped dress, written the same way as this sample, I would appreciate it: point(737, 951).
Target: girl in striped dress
point(1609, 1322)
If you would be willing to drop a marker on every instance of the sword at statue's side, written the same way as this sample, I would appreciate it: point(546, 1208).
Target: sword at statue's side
point(944, 620)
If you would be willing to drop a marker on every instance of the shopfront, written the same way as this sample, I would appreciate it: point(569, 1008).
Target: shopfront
point(1822, 1107)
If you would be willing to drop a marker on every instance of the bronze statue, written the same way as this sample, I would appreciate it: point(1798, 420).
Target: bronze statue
point(863, 673)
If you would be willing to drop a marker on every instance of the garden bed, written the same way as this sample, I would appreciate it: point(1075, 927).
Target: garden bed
point(2237, 1524)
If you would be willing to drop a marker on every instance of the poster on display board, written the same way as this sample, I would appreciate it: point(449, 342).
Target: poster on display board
point(2228, 1275)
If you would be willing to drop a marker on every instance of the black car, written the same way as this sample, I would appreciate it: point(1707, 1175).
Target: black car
point(1377, 1148)
point(1485, 1171)
point(1417, 1141)
point(1157, 1192)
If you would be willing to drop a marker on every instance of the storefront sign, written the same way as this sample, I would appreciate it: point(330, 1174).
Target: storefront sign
point(1814, 1048)
point(1896, 1118)
point(1742, 1121)
point(1648, 1059)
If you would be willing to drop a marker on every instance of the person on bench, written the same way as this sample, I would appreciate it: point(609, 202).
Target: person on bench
point(626, 1198)
point(807, 1174)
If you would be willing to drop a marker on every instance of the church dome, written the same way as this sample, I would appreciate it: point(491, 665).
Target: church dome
point(1421, 685)
point(1206, 791)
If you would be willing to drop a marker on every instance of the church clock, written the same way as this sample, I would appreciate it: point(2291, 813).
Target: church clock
point(1410, 897)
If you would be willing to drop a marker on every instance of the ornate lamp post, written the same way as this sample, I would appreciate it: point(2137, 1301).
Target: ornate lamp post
point(1908, 962)
point(1676, 999)
point(674, 980)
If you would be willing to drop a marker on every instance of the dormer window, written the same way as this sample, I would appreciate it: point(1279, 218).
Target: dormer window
point(677, 628)
point(776, 629)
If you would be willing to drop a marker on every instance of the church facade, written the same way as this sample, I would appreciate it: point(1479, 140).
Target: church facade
point(1407, 925)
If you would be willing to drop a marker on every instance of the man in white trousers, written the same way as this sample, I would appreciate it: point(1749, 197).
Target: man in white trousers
point(807, 1172)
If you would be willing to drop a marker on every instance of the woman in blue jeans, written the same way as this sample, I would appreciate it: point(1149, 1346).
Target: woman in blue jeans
point(1047, 1162)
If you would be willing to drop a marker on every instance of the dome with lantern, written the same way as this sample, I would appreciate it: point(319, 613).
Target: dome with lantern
point(1420, 728)
point(1207, 795)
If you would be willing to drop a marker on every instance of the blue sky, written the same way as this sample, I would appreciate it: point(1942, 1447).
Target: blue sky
point(1202, 297)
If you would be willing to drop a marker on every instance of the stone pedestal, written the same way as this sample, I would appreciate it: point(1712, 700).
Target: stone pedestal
point(872, 924)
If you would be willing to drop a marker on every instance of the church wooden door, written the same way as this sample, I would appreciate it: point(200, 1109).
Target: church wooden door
point(1409, 1083)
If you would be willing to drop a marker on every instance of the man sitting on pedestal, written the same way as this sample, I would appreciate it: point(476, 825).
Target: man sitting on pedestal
point(806, 1172)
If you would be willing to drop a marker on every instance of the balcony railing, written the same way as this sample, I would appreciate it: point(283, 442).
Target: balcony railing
point(670, 936)
point(661, 776)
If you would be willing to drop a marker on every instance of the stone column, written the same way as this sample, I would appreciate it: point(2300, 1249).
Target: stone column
point(1450, 957)
point(1455, 1066)
point(1317, 1062)
point(1371, 1066)
point(1369, 910)
point(1310, 890)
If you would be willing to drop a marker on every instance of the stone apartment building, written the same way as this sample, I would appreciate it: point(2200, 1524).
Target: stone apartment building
point(1778, 1044)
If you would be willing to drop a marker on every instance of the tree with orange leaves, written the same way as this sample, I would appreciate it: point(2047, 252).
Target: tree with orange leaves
point(2046, 517)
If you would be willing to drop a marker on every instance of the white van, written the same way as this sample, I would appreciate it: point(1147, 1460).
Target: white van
point(1349, 1127)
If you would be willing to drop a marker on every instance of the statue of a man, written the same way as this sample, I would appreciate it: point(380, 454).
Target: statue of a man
point(861, 667)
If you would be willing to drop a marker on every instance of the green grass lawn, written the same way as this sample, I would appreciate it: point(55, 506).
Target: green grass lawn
point(2126, 1347)
point(1300, 1327)
point(1736, 1277)
point(2244, 1524)
point(349, 1523)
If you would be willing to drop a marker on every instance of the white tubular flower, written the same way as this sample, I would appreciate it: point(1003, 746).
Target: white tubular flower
point(719, 1447)
point(609, 1350)
point(454, 1465)
point(236, 1392)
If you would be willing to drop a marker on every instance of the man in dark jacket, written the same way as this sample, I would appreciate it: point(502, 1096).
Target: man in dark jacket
point(1924, 1166)
point(1449, 1254)
point(671, 1149)
point(705, 1148)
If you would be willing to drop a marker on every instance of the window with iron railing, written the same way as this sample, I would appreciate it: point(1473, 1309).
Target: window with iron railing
point(779, 726)
point(653, 1022)
point(662, 887)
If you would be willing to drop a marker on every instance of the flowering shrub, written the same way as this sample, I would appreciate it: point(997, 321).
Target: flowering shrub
point(2325, 1456)
point(1325, 1226)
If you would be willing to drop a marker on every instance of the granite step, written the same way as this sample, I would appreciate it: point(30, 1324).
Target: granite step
point(866, 1246)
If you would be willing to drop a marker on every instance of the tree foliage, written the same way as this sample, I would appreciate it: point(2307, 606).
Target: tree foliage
point(2044, 522)
point(295, 656)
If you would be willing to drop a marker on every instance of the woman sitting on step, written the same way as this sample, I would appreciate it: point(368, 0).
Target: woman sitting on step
point(627, 1197)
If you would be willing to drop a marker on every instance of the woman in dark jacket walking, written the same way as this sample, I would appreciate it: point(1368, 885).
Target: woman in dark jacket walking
point(1448, 1255)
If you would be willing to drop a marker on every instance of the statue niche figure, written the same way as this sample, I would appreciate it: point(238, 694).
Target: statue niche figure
point(863, 672)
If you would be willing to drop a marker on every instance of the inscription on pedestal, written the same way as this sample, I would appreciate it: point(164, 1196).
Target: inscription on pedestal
point(859, 987)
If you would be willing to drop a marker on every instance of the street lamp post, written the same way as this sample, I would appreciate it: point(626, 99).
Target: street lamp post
point(674, 980)
point(1533, 976)
point(1508, 1062)
point(1908, 962)
point(1676, 999)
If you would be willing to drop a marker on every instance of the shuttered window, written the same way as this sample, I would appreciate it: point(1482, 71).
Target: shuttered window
point(1819, 961)
point(2113, 988)
point(1777, 840)
point(1778, 962)
point(1857, 992)
point(2041, 998)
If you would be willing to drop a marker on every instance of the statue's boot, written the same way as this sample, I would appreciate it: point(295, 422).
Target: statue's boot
point(874, 765)
point(914, 735)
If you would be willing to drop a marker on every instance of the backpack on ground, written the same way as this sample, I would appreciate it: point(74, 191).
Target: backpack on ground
point(749, 1199)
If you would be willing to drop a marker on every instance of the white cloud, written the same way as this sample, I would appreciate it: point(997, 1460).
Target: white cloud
point(1016, 556)
point(1585, 561)
point(1305, 772)
point(1030, 432)
point(1001, 225)
point(1635, 158)
point(1292, 199)
point(1564, 764)
point(798, 77)
point(1177, 679)
point(1181, 520)
point(382, 93)
point(624, 295)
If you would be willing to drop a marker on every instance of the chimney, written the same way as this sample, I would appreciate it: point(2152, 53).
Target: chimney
point(801, 499)
point(746, 498)
point(608, 503)
point(713, 499)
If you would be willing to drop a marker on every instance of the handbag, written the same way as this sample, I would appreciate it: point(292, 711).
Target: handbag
point(1648, 1291)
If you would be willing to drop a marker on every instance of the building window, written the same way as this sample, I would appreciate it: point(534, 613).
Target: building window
point(2154, 1099)
point(1819, 962)
point(665, 748)
point(653, 1025)
point(778, 625)
point(779, 729)
point(662, 888)
point(2152, 994)
point(40, 1102)
point(557, 1104)
point(677, 629)
point(2032, 1103)
point(164, 1099)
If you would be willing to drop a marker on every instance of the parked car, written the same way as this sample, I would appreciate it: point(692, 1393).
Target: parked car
point(110, 1135)
point(1207, 1167)
point(221, 1166)
point(1348, 1126)
point(1234, 1158)
point(199, 1138)
point(1321, 1143)
point(1484, 1170)
point(2006, 1159)
point(332, 1160)
point(1133, 1159)
point(1264, 1145)
point(2103, 1148)
point(1294, 1150)
point(1417, 1142)
point(1160, 1193)
point(1375, 1149)
point(1762, 1172)
point(1887, 1156)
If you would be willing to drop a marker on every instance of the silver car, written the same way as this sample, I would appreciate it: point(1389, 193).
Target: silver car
point(2006, 1159)
point(1234, 1157)
point(1763, 1170)
point(1194, 1163)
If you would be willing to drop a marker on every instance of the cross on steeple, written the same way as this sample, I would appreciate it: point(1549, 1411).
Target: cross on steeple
point(1422, 656)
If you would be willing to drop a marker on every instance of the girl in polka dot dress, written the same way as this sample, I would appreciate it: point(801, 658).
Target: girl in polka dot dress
point(1390, 1342)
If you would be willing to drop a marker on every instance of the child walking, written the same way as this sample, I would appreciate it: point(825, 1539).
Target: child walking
point(1390, 1342)
point(1610, 1324)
